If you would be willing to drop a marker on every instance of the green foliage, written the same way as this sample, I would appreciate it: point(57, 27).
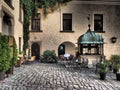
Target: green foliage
point(103, 66)
point(50, 5)
point(15, 56)
point(115, 60)
point(5, 53)
point(21, 52)
point(30, 8)
point(49, 56)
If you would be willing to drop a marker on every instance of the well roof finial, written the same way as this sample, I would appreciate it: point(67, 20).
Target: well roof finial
point(89, 26)
point(89, 21)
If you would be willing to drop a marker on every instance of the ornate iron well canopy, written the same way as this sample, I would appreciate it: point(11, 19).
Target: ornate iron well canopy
point(90, 43)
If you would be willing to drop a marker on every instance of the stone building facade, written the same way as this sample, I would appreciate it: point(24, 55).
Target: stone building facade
point(11, 20)
point(62, 28)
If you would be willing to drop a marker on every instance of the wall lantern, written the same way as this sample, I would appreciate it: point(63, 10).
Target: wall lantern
point(113, 39)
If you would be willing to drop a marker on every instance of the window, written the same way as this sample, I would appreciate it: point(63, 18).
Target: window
point(19, 44)
point(98, 22)
point(36, 22)
point(67, 22)
point(9, 3)
point(20, 12)
point(91, 49)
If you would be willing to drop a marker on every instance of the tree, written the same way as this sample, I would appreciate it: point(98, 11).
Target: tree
point(30, 8)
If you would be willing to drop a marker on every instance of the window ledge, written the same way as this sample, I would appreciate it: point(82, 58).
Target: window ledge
point(99, 31)
point(90, 54)
point(36, 31)
point(67, 31)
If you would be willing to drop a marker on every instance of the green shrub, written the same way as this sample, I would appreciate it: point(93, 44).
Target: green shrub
point(115, 60)
point(49, 56)
point(15, 55)
point(5, 53)
point(103, 66)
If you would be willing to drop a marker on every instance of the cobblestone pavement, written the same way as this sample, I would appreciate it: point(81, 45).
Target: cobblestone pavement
point(41, 76)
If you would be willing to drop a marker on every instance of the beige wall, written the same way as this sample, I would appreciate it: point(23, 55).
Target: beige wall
point(51, 37)
point(17, 26)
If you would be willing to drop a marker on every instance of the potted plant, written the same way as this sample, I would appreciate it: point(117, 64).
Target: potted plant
point(117, 65)
point(103, 69)
point(118, 75)
point(115, 60)
point(20, 57)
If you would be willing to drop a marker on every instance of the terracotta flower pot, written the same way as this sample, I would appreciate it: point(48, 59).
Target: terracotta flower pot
point(18, 63)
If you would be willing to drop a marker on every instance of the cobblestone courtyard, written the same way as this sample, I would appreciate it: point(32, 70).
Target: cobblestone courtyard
point(41, 76)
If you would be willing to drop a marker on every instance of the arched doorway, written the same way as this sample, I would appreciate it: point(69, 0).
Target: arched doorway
point(66, 47)
point(61, 49)
point(35, 50)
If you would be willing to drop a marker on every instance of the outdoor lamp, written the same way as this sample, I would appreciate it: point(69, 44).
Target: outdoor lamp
point(113, 39)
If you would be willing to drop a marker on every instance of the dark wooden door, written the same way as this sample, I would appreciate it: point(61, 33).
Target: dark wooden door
point(36, 50)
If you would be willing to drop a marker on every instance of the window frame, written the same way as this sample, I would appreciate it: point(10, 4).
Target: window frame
point(68, 21)
point(20, 13)
point(20, 40)
point(90, 49)
point(102, 20)
point(37, 25)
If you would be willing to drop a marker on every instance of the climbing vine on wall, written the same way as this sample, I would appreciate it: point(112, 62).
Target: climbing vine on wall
point(30, 8)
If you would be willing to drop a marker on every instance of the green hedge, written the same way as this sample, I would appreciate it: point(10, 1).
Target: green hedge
point(5, 53)
point(15, 55)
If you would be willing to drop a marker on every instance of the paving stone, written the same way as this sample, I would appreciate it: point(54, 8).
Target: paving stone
point(60, 88)
point(40, 76)
point(76, 86)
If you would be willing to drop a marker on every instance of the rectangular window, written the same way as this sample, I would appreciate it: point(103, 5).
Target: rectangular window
point(98, 22)
point(19, 44)
point(36, 22)
point(20, 12)
point(67, 22)
point(90, 49)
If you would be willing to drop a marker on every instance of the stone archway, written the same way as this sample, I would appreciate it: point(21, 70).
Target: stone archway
point(66, 47)
point(35, 50)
